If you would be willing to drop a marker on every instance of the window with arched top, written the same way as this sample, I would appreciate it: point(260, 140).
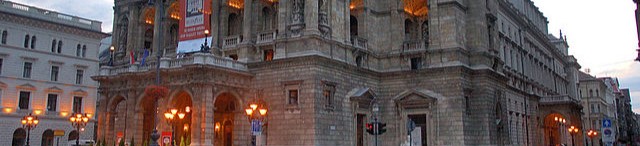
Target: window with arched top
point(408, 29)
point(78, 50)
point(267, 19)
point(19, 136)
point(84, 50)
point(233, 23)
point(47, 138)
point(148, 38)
point(5, 34)
point(353, 25)
point(590, 93)
point(173, 32)
point(73, 135)
point(59, 46)
point(33, 42)
point(26, 41)
point(53, 46)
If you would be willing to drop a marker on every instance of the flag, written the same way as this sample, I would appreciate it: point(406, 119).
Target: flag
point(133, 60)
point(144, 56)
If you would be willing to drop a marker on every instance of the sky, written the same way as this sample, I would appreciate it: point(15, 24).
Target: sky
point(601, 34)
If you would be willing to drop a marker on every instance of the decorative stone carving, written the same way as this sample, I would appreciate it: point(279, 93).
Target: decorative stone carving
point(297, 18)
point(323, 18)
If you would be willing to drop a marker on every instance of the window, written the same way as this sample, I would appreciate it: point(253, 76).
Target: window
point(353, 25)
point(26, 41)
point(79, 74)
point(84, 50)
point(23, 102)
point(293, 97)
point(1, 60)
point(360, 120)
point(359, 59)
point(59, 46)
point(77, 104)
point(328, 93)
point(268, 55)
point(53, 46)
point(416, 63)
point(33, 42)
point(4, 37)
point(26, 71)
point(233, 56)
point(593, 109)
point(54, 73)
point(78, 50)
point(52, 102)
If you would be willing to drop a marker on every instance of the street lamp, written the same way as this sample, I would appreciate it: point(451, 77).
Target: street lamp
point(78, 121)
point(573, 131)
point(205, 47)
point(112, 49)
point(172, 116)
point(560, 122)
point(592, 133)
point(256, 112)
point(29, 122)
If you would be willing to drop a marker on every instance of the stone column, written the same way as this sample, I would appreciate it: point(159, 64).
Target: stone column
point(202, 116)
point(297, 18)
point(311, 15)
point(102, 114)
point(247, 21)
point(216, 14)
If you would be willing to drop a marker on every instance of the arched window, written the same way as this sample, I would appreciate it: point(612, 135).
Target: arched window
point(53, 46)
point(353, 24)
point(233, 22)
point(148, 38)
point(4, 36)
point(19, 136)
point(267, 18)
point(60, 46)
point(590, 93)
point(73, 135)
point(26, 41)
point(47, 138)
point(33, 42)
point(84, 50)
point(425, 31)
point(408, 28)
point(173, 32)
point(78, 50)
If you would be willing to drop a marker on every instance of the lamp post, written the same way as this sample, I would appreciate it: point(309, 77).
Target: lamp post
point(560, 122)
point(573, 131)
point(29, 122)
point(78, 121)
point(172, 115)
point(256, 112)
point(592, 133)
point(112, 49)
point(205, 47)
point(158, 27)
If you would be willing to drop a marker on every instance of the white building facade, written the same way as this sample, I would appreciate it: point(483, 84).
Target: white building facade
point(46, 60)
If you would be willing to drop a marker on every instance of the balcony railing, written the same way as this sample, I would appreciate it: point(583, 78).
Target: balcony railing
point(558, 99)
point(359, 42)
point(266, 37)
point(198, 58)
point(231, 41)
point(414, 45)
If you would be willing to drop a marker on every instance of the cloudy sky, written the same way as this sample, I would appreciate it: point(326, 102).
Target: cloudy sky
point(601, 35)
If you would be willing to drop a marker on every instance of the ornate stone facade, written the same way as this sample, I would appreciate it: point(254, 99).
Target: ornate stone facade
point(468, 73)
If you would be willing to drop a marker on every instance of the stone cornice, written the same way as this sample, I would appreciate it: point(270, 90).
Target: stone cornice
point(52, 26)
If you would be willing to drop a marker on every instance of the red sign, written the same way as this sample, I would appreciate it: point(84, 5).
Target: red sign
point(194, 19)
point(165, 139)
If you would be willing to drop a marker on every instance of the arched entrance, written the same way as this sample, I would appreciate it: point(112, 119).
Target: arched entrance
point(19, 136)
point(554, 128)
point(148, 113)
point(224, 117)
point(118, 112)
point(47, 138)
point(73, 135)
point(182, 127)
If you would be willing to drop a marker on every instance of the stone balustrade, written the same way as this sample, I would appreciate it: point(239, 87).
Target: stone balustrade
point(358, 42)
point(197, 58)
point(414, 45)
point(558, 99)
point(266, 37)
point(231, 41)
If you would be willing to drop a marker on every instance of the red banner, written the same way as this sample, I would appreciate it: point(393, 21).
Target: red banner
point(165, 139)
point(195, 19)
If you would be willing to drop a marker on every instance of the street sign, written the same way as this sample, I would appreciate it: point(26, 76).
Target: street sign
point(410, 126)
point(165, 138)
point(606, 123)
point(256, 127)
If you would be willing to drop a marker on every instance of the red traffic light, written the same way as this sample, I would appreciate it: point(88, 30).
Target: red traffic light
point(370, 129)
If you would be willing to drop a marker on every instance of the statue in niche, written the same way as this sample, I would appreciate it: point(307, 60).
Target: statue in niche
point(122, 38)
point(323, 20)
point(297, 17)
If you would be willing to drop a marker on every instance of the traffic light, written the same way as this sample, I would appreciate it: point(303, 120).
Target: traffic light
point(381, 128)
point(370, 129)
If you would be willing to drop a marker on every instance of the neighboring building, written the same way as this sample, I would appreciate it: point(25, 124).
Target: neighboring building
point(46, 60)
point(598, 100)
point(467, 73)
point(626, 118)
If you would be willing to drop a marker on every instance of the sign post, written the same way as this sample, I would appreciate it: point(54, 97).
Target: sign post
point(608, 135)
point(165, 139)
point(256, 127)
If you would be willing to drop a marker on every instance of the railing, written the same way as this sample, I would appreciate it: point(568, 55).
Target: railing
point(231, 41)
point(266, 37)
point(414, 45)
point(21, 9)
point(197, 58)
point(359, 42)
point(558, 99)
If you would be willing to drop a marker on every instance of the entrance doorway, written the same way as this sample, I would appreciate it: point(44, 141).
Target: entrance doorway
point(421, 124)
point(224, 116)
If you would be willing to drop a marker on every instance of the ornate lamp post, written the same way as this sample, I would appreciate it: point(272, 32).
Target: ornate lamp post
point(112, 49)
point(256, 112)
point(78, 121)
point(592, 133)
point(573, 131)
point(560, 122)
point(172, 116)
point(205, 47)
point(29, 122)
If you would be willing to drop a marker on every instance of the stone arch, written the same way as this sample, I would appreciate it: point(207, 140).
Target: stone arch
point(47, 138)
point(19, 136)
point(182, 99)
point(148, 15)
point(73, 135)
point(554, 127)
point(227, 110)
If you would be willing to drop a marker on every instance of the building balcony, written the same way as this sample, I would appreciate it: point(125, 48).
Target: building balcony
point(231, 41)
point(359, 42)
point(414, 46)
point(558, 99)
point(167, 63)
point(266, 37)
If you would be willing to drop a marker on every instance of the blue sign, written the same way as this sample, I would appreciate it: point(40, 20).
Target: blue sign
point(256, 127)
point(606, 123)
